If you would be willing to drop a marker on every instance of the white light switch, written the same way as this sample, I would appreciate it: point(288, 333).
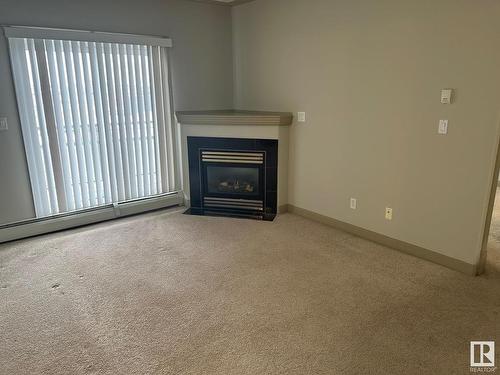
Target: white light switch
point(301, 116)
point(446, 96)
point(3, 123)
point(443, 127)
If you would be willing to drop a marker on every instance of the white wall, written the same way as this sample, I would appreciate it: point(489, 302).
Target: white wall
point(369, 74)
point(201, 62)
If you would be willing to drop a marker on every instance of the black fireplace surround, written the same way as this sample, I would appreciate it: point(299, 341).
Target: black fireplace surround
point(233, 177)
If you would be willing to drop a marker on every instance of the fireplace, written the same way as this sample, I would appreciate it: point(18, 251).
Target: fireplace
point(233, 177)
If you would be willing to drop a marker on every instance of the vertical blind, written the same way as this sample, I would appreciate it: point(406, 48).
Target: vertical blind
point(96, 121)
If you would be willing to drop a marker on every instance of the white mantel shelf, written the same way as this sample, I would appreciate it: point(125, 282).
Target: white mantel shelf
point(234, 117)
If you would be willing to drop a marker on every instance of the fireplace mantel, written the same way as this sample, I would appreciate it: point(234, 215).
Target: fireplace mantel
point(234, 117)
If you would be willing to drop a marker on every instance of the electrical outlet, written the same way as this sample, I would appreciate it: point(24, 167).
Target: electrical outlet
point(446, 96)
point(301, 116)
point(388, 213)
point(354, 203)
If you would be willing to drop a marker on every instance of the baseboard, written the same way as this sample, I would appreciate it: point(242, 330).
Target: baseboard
point(34, 227)
point(283, 209)
point(417, 251)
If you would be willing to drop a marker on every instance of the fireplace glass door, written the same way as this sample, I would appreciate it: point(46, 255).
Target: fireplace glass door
point(234, 181)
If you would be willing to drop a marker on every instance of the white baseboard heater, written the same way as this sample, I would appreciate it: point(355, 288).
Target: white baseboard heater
point(33, 227)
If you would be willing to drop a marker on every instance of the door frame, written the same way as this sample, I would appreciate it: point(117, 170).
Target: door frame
point(489, 213)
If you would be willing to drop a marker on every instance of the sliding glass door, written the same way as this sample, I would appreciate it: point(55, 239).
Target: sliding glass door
point(96, 120)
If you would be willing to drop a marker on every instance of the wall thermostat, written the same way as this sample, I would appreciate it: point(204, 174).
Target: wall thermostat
point(446, 96)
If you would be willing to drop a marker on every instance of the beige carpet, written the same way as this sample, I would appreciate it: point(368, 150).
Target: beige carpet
point(166, 293)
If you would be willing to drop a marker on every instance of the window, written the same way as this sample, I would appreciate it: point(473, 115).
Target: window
point(96, 117)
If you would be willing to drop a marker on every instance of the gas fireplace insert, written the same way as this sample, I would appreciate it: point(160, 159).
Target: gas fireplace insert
point(233, 177)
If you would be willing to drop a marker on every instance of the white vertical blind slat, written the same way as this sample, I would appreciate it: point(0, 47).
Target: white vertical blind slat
point(121, 121)
point(142, 120)
point(129, 127)
point(103, 153)
point(117, 150)
point(149, 118)
point(84, 114)
point(58, 112)
point(77, 123)
point(155, 105)
point(105, 119)
point(90, 92)
point(50, 190)
point(160, 111)
point(170, 134)
point(135, 119)
point(68, 125)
